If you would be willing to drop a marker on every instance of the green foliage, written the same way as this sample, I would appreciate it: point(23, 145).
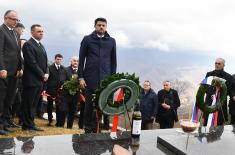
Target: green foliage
point(72, 85)
point(115, 77)
point(204, 106)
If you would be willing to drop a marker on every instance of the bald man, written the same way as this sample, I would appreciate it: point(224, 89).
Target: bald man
point(219, 72)
point(69, 102)
point(10, 68)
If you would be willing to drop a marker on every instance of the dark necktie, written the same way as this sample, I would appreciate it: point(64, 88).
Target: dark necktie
point(14, 36)
point(41, 46)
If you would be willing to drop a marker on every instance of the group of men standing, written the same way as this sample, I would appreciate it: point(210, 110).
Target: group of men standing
point(97, 61)
point(161, 107)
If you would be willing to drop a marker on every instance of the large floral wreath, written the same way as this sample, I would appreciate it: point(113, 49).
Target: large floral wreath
point(217, 82)
point(103, 96)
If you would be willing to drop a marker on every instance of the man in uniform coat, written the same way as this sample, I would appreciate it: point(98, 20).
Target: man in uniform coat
point(10, 68)
point(97, 59)
point(35, 73)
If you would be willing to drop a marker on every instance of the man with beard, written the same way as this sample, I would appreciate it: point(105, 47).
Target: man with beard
point(219, 72)
point(97, 61)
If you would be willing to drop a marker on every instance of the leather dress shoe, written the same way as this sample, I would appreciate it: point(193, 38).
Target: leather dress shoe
point(33, 129)
point(7, 130)
point(3, 132)
point(37, 129)
point(12, 124)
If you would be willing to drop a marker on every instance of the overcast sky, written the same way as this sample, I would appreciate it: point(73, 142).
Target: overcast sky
point(190, 31)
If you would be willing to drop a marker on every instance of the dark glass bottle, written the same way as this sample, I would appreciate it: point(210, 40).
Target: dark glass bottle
point(136, 121)
point(135, 144)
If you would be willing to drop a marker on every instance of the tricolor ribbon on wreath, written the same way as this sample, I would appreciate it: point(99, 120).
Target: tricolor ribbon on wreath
point(213, 117)
point(117, 97)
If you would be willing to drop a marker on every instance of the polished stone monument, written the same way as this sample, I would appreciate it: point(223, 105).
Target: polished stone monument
point(152, 142)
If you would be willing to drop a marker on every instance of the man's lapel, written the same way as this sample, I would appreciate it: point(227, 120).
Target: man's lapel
point(13, 37)
point(38, 46)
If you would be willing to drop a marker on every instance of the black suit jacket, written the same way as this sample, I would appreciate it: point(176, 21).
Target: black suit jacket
point(70, 72)
point(171, 98)
point(227, 77)
point(10, 59)
point(56, 78)
point(35, 64)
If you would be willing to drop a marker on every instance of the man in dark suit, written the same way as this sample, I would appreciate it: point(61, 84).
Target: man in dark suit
point(97, 59)
point(18, 98)
point(10, 68)
point(69, 102)
point(219, 72)
point(54, 83)
point(35, 73)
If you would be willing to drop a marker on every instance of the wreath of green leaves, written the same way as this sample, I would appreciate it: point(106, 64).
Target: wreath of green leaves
point(202, 105)
point(103, 96)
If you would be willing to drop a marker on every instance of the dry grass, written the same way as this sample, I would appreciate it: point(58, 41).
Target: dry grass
point(17, 132)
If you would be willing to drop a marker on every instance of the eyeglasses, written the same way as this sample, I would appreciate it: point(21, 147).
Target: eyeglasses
point(165, 85)
point(14, 19)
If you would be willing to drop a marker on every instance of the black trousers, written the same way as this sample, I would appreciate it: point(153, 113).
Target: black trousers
point(7, 96)
point(106, 122)
point(167, 121)
point(67, 109)
point(17, 104)
point(40, 107)
point(232, 119)
point(81, 117)
point(31, 97)
point(90, 120)
point(147, 124)
point(50, 109)
point(72, 109)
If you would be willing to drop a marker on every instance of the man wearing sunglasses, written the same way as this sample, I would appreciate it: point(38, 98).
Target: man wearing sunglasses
point(219, 72)
point(10, 68)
